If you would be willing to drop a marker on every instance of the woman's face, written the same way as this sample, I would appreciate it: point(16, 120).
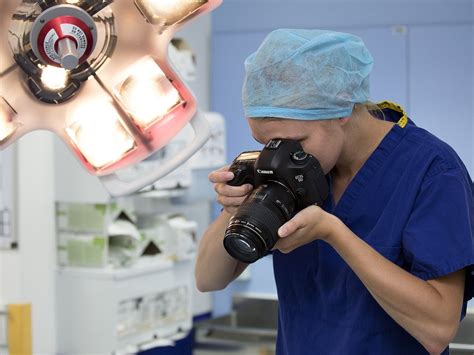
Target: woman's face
point(322, 139)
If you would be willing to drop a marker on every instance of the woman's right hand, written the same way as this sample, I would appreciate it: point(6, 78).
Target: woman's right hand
point(230, 197)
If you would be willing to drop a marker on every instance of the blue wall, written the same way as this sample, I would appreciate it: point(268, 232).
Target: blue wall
point(423, 52)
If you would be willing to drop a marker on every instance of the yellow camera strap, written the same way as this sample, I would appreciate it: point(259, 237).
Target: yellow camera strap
point(402, 122)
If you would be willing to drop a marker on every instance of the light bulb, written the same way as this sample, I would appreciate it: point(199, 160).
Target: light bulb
point(167, 12)
point(54, 78)
point(99, 134)
point(147, 94)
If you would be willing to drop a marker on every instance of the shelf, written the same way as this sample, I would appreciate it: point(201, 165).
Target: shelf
point(119, 273)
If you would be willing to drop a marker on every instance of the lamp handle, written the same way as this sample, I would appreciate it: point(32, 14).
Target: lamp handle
point(117, 187)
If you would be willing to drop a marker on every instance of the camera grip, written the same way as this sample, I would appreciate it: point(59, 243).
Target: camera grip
point(242, 175)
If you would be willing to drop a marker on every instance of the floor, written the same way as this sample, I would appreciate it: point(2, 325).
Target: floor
point(235, 351)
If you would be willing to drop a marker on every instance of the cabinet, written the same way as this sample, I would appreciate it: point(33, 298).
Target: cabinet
point(7, 172)
point(138, 305)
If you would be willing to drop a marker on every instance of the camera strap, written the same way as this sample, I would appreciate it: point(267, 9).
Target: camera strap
point(402, 122)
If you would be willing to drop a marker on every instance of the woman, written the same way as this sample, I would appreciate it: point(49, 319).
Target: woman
point(385, 266)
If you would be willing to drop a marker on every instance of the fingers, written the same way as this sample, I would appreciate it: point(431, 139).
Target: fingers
point(230, 197)
point(221, 175)
point(297, 222)
point(289, 227)
point(300, 220)
point(303, 228)
point(230, 201)
point(285, 246)
point(233, 191)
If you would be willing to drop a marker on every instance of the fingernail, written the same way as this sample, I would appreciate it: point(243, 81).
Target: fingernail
point(229, 175)
point(282, 232)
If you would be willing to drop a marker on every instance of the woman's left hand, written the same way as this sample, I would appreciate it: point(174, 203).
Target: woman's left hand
point(307, 225)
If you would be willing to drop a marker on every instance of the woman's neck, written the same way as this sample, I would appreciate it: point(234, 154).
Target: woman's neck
point(363, 135)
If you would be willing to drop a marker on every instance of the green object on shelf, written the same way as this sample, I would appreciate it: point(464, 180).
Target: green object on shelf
point(86, 251)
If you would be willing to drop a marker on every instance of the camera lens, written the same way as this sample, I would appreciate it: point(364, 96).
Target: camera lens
point(253, 230)
point(243, 247)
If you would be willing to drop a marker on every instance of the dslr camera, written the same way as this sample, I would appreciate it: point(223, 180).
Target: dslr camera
point(286, 180)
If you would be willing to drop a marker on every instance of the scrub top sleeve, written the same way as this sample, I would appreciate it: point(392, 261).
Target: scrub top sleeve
point(439, 238)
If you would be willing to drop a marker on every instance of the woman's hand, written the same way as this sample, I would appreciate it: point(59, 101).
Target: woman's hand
point(307, 225)
point(230, 197)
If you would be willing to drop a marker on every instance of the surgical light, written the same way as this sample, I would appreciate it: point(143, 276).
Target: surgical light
point(147, 93)
point(7, 125)
point(168, 12)
point(98, 133)
point(77, 69)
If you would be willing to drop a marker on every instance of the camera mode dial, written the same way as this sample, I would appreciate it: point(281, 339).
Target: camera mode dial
point(299, 157)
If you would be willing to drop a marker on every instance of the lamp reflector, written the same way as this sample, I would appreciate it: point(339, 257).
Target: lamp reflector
point(147, 94)
point(99, 134)
point(167, 12)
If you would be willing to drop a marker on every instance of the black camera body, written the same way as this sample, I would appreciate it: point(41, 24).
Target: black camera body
point(286, 180)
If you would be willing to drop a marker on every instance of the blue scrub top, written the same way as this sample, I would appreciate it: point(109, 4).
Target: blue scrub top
point(412, 201)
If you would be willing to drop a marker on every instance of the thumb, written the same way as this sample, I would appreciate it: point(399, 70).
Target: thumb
point(289, 227)
point(298, 221)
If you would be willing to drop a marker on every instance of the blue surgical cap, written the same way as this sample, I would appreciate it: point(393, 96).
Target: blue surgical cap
point(306, 75)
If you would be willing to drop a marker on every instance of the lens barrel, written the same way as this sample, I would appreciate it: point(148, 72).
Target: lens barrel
point(253, 230)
